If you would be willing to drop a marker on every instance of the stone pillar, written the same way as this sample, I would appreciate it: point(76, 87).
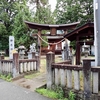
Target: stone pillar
point(66, 50)
point(50, 58)
point(87, 79)
point(97, 31)
point(15, 70)
point(1, 57)
point(11, 46)
point(37, 62)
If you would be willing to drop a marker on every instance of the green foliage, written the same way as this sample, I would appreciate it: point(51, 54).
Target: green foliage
point(73, 44)
point(20, 30)
point(44, 15)
point(4, 24)
point(48, 93)
point(3, 37)
point(68, 11)
point(59, 90)
point(12, 17)
point(6, 77)
point(71, 96)
point(56, 93)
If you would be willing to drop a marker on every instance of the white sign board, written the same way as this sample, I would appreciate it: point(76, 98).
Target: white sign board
point(11, 46)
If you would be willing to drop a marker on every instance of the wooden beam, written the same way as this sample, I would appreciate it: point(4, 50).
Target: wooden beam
point(77, 52)
point(35, 34)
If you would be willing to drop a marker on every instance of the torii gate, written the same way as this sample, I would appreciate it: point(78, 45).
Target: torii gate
point(53, 30)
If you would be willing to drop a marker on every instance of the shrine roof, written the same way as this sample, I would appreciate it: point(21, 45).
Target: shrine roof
point(84, 31)
point(48, 27)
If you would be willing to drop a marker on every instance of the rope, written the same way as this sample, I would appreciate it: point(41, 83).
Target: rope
point(50, 43)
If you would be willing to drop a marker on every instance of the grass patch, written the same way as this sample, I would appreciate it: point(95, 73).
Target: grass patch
point(48, 93)
point(30, 76)
point(7, 78)
point(57, 94)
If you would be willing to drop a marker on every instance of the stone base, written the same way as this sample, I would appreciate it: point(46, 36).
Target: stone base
point(18, 77)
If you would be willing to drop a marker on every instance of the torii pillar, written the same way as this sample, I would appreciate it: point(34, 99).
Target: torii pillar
point(39, 47)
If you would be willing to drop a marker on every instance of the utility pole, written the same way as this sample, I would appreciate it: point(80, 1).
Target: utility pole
point(97, 31)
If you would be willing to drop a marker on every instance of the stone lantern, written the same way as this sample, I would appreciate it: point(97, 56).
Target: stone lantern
point(85, 50)
point(21, 51)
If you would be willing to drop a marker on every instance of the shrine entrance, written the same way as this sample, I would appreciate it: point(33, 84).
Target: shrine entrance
point(56, 38)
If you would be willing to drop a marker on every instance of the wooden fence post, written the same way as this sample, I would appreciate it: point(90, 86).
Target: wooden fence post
point(87, 79)
point(50, 58)
point(15, 69)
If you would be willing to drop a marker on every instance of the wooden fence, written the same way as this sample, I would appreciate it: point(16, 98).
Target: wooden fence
point(18, 66)
point(27, 65)
point(84, 78)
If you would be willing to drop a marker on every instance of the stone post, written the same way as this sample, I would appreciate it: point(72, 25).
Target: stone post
point(1, 57)
point(66, 57)
point(50, 58)
point(31, 55)
point(11, 46)
point(37, 62)
point(87, 79)
point(15, 70)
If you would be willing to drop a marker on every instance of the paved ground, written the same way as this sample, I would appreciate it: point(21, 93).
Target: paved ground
point(10, 91)
point(31, 84)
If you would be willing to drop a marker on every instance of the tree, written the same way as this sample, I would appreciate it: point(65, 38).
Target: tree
point(68, 11)
point(6, 20)
point(3, 37)
point(13, 14)
point(43, 12)
point(87, 9)
point(20, 31)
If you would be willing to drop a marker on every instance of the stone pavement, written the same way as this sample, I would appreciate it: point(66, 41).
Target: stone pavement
point(10, 91)
point(33, 83)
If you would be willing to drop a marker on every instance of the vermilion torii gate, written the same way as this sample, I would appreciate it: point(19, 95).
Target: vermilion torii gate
point(53, 31)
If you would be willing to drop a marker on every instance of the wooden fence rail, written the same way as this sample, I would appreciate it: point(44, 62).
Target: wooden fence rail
point(74, 77)
point(18, 66)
